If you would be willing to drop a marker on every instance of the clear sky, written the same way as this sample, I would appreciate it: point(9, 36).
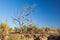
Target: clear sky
point(47, 11)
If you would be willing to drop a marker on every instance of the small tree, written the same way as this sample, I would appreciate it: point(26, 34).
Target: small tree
point(47, 29)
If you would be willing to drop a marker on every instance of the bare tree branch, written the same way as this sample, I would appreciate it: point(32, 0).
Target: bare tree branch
point(21, 14)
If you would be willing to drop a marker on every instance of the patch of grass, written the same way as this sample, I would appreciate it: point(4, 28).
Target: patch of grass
point(17, 38)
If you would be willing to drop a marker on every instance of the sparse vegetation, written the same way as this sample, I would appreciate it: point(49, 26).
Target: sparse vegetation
point(22, 31)
point(26, 30)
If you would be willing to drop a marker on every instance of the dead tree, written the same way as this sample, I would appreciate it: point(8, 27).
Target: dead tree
point(21, 18)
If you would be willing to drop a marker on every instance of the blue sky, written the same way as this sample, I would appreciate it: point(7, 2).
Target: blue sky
point(47, 11)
